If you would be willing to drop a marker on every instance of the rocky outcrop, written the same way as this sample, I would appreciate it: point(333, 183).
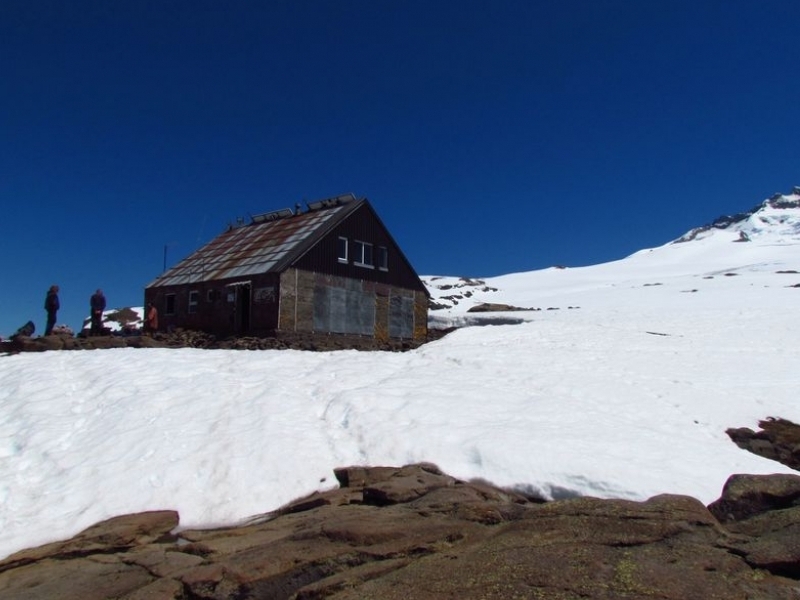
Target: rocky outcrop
point(495, 307)
point(197, 339)
point(777, 439)
point(456, 291)
point(69, 342)
point(763, 515)
point(734, 222)
point(415, 532)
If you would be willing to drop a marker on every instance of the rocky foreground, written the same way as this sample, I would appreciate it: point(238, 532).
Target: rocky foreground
point(415, 533)
point(197, 339)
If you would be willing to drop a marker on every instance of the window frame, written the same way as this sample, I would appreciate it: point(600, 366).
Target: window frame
point(342, 243)
point(383, 258)
point(361, 250)
point(194, 301)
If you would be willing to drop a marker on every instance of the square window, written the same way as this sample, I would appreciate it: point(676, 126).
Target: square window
point(341, 249)
point(363, 254)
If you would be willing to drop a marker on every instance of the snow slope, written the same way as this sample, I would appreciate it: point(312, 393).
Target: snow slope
point(626, 394)
point(669, 275)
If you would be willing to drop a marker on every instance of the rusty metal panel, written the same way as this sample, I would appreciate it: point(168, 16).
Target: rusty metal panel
point(253, 249)
point(344, 309)
point(382, 317)
point(304, 311)
point(420, 315)
point(401, 316)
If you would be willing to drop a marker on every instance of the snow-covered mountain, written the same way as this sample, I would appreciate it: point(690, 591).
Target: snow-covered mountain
point(775, 219)
point(617, 380)
point(762, 245)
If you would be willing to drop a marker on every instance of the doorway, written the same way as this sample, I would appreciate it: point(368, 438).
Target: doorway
point(241, 308)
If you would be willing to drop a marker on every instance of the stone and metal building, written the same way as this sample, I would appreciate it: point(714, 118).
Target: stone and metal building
point(331, 268)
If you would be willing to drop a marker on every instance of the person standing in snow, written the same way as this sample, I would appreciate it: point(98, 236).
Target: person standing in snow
point(97, 304)
point(151, 319)
point(51, 305)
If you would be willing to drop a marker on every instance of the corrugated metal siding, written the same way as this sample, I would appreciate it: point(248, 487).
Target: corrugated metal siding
point(343, 305)
point(401, 316)
point(321, 303)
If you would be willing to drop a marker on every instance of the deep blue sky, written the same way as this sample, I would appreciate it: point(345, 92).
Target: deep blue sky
point(491, 137)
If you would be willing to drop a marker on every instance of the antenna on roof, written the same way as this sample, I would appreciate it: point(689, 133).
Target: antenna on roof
point(165, 253)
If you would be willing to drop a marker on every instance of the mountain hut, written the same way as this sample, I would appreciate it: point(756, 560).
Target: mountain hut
point(332, 268)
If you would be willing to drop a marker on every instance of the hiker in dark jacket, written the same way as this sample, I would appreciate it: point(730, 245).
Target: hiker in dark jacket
point(51, 305)
point(97, 304)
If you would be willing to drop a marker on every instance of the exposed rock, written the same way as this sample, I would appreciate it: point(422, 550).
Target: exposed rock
point(770, 541)
point(406, 485)
point(124, 316)
point(22, 343)
point(778, 439)
point(765, 511)
point(745, 496)
point(734, 222)
point(115, 534)
point(463, 288)
point(197, 339)
point(494, 307)
point(430, 535)
point(51, 342)
point(106, 341)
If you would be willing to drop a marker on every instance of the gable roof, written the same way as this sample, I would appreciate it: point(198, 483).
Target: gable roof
point(269, 243)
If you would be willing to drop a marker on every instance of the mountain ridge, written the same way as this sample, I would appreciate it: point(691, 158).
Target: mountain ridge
point(767, 213)
point(758, 244)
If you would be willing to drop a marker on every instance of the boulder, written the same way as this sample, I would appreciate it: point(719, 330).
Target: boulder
point(770, 541)
point(105, 342)
point(415, 532)
point(117, 533)
point(745, 496)
point(778, 439)
point(764, 513)
point(50, 342)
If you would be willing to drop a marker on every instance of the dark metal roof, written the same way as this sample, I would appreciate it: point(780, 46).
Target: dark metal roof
point(269, 243)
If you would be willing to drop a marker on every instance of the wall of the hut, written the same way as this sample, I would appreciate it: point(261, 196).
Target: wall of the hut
point(363, 226)
point(324, 303)
point(223, 308)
